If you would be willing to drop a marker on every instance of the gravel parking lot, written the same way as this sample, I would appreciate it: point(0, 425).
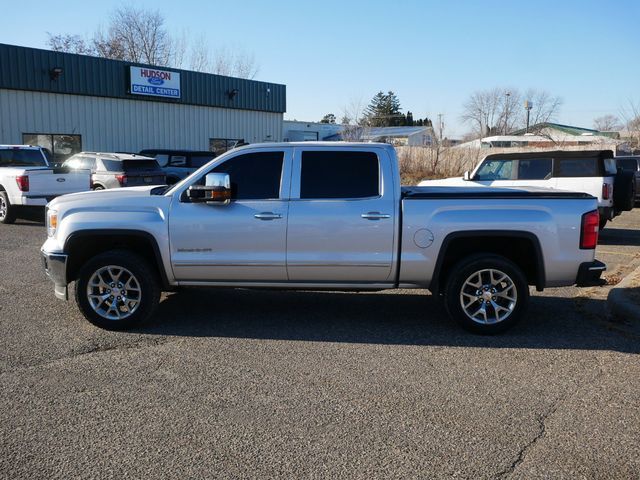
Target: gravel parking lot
point(239, 383)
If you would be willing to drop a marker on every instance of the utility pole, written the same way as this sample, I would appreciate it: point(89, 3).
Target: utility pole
point(506, 111)
point(528, 105)
point(440, 125)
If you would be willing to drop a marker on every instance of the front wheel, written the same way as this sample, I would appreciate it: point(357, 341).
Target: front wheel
point(486, 294)
point(7, 211)
point(117, 290)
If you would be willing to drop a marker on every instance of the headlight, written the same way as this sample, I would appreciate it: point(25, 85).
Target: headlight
point(52, 222)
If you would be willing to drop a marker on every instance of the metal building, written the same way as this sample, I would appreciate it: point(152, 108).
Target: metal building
point(68, 103)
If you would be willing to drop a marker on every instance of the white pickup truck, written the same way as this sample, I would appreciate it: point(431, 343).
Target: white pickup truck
point(318, 216)
point(27, 180)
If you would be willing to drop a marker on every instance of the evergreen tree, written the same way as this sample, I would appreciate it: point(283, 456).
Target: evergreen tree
point(409, 120)
point(383, 111)
point(328, 118)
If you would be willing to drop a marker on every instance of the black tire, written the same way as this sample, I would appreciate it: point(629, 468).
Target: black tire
point(98, 187)
point(458, 281)
point(624, 191)
point(144, 275)
point(603, 222)
point(7, 211)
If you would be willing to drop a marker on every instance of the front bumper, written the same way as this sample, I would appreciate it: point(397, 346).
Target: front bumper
point(55, 266)
point(589, 274)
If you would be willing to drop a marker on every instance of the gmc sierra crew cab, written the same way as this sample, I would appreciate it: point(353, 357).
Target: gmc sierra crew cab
point(318, 216)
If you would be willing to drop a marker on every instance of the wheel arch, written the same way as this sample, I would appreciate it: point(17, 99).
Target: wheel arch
point(510, 244)
point(82, 245)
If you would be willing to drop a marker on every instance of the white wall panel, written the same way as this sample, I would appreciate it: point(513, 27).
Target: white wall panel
point(111, 124)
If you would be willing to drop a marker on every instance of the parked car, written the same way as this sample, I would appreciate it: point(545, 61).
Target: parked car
point(632, 164)
point(179, 164)
point(317, 216)
point(27, 180)
point(115, 170)
point(593, 172)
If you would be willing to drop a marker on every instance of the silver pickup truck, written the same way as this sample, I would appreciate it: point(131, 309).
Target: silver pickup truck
point(318, 216)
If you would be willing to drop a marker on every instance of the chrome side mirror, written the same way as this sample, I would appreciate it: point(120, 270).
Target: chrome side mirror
point(467, 176)
point(216, 189)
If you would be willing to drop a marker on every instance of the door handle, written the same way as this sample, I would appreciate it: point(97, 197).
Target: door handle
point(375, 216)
point(267, 216)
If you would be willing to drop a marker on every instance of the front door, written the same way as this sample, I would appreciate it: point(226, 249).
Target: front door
point(244, 240)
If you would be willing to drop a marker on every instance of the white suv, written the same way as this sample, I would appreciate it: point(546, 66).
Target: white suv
point(593, 172)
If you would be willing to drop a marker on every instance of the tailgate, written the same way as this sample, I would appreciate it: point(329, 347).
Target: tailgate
point(52, 183)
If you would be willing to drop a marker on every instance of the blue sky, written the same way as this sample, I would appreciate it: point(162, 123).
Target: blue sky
point(432, 54)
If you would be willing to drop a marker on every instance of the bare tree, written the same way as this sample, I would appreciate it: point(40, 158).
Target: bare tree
point(483, 110)
point(139, 35)
point(352, 115)
point(631, 116)
point(545, 106)
point(501, 110)
point(607, 123)
point(70, 43)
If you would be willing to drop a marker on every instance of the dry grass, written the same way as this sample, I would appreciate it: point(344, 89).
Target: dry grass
point(422, 163)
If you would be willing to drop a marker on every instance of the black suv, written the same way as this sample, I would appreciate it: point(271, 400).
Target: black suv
point(178, 164)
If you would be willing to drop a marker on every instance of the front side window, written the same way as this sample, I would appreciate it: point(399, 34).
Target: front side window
point(535, 168)
point(495, 170)
point(336, 174)
point(254, 176)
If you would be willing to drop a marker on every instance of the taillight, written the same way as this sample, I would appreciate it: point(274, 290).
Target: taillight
point(23, 183)
point(122, 180)
point(606, 191)
point(589, 230)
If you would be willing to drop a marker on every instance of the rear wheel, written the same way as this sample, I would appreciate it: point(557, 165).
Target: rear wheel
point(7, 211)
point(98, 187)
point(117, 290)
point(486, 294)
point(624, 191)
point(603, 222)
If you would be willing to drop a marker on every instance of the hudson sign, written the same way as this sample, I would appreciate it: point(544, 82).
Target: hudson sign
point(158, 83)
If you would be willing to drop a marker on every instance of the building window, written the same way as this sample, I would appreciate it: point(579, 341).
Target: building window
point(61, 146)
point(221, 145)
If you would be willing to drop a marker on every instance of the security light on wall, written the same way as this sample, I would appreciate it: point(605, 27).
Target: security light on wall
point(55, 73)
point(232, 93)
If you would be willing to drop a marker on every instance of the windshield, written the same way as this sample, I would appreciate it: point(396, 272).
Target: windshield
point(21, 157)
point(494, 170)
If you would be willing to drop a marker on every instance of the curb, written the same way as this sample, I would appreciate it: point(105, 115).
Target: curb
point(619, 302)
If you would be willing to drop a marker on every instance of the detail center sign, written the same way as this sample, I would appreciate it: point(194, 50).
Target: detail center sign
point(157, 83)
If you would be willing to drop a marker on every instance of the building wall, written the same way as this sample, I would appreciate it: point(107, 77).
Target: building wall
point(294, 131)
point(114, 124)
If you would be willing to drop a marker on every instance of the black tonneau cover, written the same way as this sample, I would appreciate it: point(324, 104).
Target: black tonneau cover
point(412, 193)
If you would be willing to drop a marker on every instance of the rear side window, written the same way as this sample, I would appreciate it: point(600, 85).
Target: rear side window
point(578, 167)
point(534, 168)
point(254, 176)
point(112, 165)
point(335, 174)
point(130, 165)
point(495, 170)
point(628, 164)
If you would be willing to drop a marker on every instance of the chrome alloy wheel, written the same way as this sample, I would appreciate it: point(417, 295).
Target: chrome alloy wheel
point(3, 208)
point(114, 292)
point(488, 296)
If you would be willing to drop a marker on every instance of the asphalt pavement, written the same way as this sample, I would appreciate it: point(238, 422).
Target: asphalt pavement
point(267, 384)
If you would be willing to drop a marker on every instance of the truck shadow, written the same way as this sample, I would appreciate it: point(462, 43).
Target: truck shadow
point(619, 236)
point(414, 318)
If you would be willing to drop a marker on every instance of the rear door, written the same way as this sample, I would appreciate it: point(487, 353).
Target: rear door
point(341, 216)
